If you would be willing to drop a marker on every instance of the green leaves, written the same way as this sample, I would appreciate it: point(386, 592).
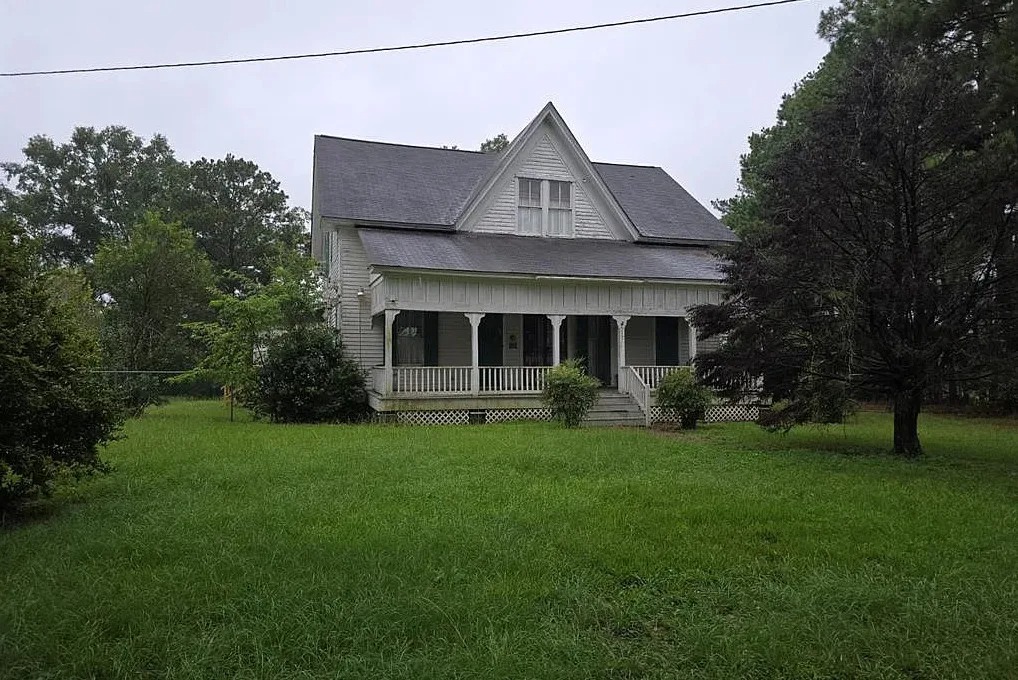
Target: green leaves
point(569, 392)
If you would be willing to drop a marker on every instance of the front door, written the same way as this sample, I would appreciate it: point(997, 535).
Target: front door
point(601, 349)
point(489, 340)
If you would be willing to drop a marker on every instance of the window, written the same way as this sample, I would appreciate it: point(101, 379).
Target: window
point(530, 211)
point(560, 210)
point(545, 207)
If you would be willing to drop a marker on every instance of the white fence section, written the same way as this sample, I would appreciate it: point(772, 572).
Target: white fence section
point(513, 379)
point(652, 375)
point(431, 379)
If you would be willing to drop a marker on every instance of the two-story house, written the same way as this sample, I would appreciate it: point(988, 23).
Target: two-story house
point(462, 276)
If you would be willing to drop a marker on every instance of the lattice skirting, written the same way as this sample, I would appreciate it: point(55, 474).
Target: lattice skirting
point(432, 417)
point(501, 415)
point(463, 417)
point(715, 414)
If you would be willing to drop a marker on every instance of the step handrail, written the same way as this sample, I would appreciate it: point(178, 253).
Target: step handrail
point(640, 391)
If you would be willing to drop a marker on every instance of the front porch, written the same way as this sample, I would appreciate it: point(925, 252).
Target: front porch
point(479, 362)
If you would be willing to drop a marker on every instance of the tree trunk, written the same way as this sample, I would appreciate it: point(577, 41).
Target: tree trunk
point(906, 423)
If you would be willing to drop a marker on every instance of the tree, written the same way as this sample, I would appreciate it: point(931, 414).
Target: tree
point(495, 144)
point(883, 236)
point(239, 216)
point(152, 283)
point(236, 340)
point(60, 412)
point(305, 377)
point(73, 196)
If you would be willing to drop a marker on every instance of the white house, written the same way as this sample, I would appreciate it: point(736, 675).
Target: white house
point(462, 276)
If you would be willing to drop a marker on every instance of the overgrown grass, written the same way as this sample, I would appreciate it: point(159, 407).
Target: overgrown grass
point(223, 549)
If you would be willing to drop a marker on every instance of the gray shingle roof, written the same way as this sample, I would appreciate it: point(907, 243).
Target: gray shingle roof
point(496, 254)
point(392, 184)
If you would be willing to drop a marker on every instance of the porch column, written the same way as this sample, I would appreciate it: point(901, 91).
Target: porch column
point(621, 321)
point(556, 324)
point(692, 340)
point(390, 316)
point(475, 371)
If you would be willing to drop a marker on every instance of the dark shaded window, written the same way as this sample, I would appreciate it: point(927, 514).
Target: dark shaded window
point(666, 341)
point(415, 339)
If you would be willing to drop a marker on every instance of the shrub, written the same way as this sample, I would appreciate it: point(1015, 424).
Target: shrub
point(306, 378)
point(680, 392)
point(56, 411)
point(569, 392)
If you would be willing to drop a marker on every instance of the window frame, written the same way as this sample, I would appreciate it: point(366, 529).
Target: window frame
point(544, 196)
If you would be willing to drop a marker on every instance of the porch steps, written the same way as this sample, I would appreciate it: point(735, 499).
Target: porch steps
point(613, 408)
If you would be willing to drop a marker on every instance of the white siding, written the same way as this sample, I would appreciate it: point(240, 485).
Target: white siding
point(683, 342)
point(640, 341)
point(532, 296)
point(362, 339)
point(453, 339)
point(545, 162)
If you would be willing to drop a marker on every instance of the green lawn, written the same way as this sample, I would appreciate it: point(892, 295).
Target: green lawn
point(221, 549)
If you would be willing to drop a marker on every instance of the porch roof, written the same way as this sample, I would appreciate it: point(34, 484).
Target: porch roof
point(499, 254)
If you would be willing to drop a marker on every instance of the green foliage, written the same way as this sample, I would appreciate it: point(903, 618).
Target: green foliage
point(879, 248)
point(495, 144)
point(239, 216)
point(92, 188)
point(306, 378)
point(151, 284)
point(569, 392)
point(56, 411)
point(680, 392)
point(236, 339)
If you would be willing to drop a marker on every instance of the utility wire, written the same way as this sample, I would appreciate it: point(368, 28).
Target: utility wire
point(399, 48)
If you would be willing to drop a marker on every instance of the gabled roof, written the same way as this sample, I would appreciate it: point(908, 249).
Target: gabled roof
point(500, 254)
point(383, 184)
point(548, 120)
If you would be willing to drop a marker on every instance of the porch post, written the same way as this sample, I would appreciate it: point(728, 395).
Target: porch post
point(621, 321)
point(475, 371)
point(556, 324)
point(390, 316)
point(692, 340)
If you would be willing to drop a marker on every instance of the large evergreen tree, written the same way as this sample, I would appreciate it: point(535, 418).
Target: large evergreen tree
point(878, 222)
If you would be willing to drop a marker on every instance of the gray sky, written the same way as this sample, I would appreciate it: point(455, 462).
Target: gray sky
point(681, 94)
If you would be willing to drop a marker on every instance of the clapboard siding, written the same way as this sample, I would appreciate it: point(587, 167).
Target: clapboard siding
point(532, 296)
point(640, 341)
point(453, 339)
point(684, 342)
point(362, 339)
point(545, 162)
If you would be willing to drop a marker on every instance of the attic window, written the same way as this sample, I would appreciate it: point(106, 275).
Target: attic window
point(545, 207)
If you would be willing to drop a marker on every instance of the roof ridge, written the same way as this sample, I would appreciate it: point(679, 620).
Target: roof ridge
point(410, 146)
point(628, 165)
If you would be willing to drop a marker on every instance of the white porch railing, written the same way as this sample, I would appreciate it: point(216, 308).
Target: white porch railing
point(631, 382)
point(456, 380)
point(431, 379)
point(652, 375)
point(513, 379)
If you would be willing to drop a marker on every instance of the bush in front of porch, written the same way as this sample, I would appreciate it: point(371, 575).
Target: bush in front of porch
point(680, 393)
point(569, 392)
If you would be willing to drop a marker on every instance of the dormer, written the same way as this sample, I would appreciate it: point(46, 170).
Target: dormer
point(544, 185)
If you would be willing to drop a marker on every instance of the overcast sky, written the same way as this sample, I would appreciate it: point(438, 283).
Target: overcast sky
point(682, 94)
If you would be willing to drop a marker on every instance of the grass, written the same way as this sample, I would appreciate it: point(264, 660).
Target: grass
point(221, 549)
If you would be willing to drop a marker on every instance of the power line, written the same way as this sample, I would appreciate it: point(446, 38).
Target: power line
point(400, 48)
